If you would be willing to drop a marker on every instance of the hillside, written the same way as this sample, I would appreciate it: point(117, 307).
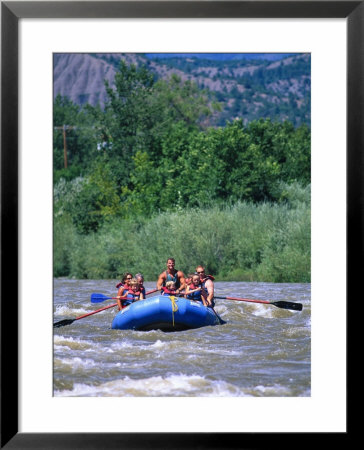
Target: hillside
point(271, 86)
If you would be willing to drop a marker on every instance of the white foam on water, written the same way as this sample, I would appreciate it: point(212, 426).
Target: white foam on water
point(297, 332)
point(60, 339)
point(265, 311)
point(128, 344)
point(73, 344)
point(124, 344)
point(174, 385)
point(158, 344)
point(66, 310)
point(223, 352)
point(272, 391)
point(78, 363)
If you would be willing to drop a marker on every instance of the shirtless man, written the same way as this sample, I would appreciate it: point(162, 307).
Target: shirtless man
point(207, 284)
point(172, 274)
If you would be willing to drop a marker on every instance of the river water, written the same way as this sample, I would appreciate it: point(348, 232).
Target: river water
point(262, 350)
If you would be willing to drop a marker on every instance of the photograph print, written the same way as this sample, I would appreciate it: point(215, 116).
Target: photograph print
point(182, 224)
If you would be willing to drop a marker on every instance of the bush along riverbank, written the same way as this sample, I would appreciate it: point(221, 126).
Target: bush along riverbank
point(236, 242)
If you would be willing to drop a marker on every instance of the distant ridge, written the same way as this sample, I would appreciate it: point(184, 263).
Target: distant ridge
point(223, 56)
point(248, 86)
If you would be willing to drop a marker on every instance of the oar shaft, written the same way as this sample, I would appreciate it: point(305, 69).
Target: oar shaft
point(151, 292)
point(280, 304)
point(65, 322)
point(238, 299)
point(98, 310)
point(93, 297)
point(222, 322)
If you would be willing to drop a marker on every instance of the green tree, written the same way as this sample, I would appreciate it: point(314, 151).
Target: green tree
point(181, 101)
point(95, 202)
point(128, 118)
point(144, 197)
point(85, 209)
point(81, 145)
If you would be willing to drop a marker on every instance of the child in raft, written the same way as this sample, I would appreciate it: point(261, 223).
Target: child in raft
point(196, 292)
point(188, 279)
point(140, 278)
point(169, 288)
point(130, 294)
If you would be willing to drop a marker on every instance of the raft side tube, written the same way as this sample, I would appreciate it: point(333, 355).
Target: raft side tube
point(166, 313)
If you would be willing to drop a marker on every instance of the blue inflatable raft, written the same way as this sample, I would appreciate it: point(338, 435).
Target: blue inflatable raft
point(166, 313)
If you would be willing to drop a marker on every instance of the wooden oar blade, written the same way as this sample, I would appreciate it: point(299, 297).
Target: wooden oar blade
point(288, 305)
point(63, 323)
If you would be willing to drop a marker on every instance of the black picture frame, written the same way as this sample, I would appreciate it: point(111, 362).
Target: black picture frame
point(11, 12)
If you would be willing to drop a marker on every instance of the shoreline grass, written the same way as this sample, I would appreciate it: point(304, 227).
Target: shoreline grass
point(268, 242)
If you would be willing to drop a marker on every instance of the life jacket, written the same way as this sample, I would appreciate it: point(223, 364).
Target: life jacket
point(167, 291)
point(203, 283)
point(131, 297)
point(119, 285)
point(170, 278)
point(197, 295)
point(209, 277)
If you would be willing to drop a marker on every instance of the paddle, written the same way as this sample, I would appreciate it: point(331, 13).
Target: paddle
point(98, 298)
point(222, 322)
point(280, 304)
point(64, 322)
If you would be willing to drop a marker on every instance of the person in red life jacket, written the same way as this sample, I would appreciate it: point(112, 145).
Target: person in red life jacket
point(140, 279)
point(130, 295)
point(125, 283)
point(207, 284)
point(125, 280)
point(172, 274)
point(195, 291)
point(188, 279)
point(169, 288)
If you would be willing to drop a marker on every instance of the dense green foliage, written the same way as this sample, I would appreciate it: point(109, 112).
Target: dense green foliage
point(145, 180)
point(265, 242)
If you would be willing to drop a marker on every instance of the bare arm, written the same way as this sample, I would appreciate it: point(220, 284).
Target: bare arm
point(119, 297)
point(210, 291)
point(161, 280)
point(182, 281)
point(188, 291)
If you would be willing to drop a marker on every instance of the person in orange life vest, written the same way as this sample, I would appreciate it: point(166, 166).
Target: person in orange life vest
point(130, 295)
point(139, 277)
point(169, 288)
point(172, 274)
point(125, 280)
point(195, 291)
point(207, 284)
